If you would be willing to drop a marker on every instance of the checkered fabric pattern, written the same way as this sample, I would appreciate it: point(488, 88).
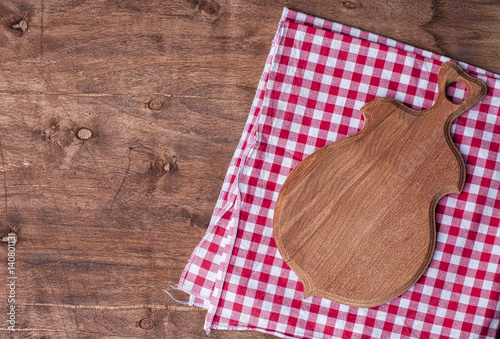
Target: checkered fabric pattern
point(317, 77)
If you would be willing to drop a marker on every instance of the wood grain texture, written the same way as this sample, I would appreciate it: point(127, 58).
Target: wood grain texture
point(101, 225)
point(355, 220)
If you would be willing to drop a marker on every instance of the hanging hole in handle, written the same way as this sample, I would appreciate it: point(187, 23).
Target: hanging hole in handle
point(456, 92)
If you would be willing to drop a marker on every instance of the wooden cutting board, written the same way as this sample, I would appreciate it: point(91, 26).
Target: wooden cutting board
point(356, 219)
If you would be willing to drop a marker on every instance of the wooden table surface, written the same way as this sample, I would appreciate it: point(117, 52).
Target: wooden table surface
point(118, 120)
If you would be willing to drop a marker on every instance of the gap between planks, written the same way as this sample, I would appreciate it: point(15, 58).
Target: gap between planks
point(57, 331)
point(120, 95)
point(116, 307)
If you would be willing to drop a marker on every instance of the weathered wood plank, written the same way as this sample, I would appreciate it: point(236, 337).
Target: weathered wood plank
point(135, 321)
point(100, 222)
point(102, 227)
point(133, 47)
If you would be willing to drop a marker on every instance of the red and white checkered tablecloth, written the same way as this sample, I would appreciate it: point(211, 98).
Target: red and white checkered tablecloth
point(317, 77)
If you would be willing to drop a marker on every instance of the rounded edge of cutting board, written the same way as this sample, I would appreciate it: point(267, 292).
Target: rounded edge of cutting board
point(310, 290)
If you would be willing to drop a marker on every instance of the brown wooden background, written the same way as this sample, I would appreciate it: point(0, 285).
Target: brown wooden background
point(106, 223)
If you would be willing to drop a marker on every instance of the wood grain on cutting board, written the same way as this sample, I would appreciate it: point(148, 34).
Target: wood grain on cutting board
point(105, 223)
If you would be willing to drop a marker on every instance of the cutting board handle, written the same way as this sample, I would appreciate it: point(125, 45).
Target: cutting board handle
point(449, 73)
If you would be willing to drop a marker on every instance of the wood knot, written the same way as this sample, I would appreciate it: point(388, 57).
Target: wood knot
point(209, 9)
point(20, 25)
point(146, 324)
point(168, 167)
point(350, 4)
point(201, 221)
point(155, 105)
point(10, 238)
point(84, 133)
point(171, 165)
